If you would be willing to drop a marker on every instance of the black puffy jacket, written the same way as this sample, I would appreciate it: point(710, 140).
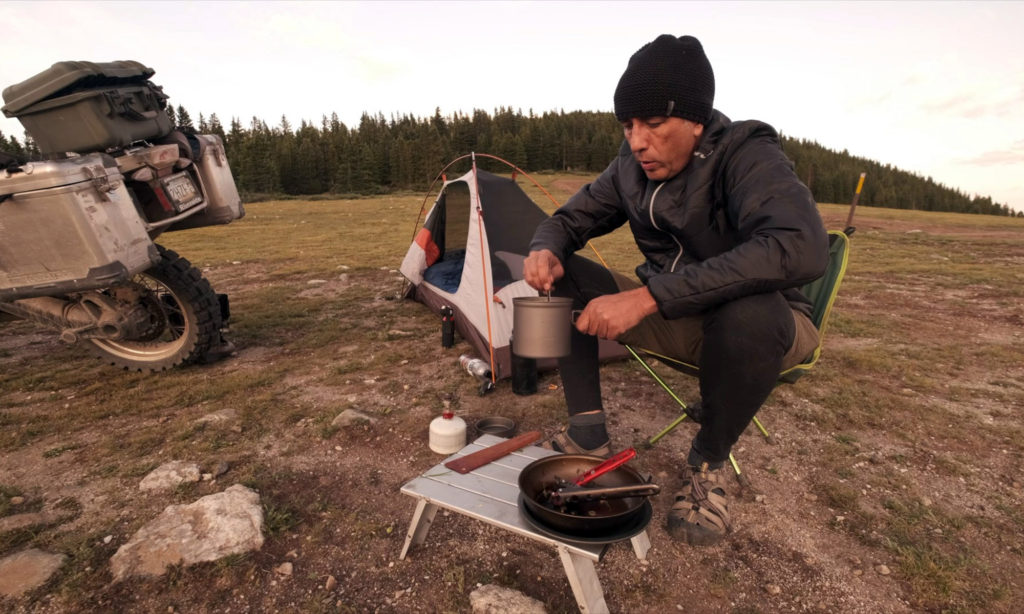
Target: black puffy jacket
point(736, 221)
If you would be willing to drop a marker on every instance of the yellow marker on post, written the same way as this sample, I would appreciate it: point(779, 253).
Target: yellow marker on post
point(856, 197)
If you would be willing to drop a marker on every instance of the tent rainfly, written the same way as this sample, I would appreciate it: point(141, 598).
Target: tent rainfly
point(468, 256)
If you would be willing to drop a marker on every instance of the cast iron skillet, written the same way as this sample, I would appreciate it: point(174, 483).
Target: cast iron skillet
point(588, 519)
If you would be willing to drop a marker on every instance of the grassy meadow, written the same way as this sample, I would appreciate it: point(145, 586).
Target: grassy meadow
point(903, 449)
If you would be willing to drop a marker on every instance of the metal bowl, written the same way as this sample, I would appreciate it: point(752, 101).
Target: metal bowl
point(496, 425)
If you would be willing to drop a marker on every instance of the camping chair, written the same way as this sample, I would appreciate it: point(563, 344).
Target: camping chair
point(822, 294)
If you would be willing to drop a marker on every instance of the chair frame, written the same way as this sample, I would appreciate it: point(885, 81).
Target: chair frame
point(830, 281)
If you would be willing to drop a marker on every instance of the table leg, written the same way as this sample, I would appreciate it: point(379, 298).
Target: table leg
point(584, 582)
point(641, 544)
point(422, 518)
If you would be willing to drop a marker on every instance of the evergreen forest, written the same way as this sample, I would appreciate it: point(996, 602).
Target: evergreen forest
point(381, 155)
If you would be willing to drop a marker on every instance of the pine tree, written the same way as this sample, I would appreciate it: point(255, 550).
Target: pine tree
point(184, 120)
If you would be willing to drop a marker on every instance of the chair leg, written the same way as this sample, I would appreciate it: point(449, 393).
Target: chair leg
point(761, 428)
point(668, 429)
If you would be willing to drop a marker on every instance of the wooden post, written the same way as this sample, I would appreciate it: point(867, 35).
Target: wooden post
point(856, 197)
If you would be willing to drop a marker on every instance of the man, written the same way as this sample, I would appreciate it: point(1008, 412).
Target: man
point(728, 232)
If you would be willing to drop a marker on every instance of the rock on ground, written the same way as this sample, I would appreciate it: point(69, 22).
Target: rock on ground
point(494, 599)
point(215, 526)
point(169, 475)
point(25, 570)
point(228, 414)
point(350, 417)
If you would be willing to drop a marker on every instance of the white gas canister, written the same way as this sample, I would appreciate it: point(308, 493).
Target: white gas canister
point(447, 433)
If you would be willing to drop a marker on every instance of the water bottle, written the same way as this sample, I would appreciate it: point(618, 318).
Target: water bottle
point(476, 367)
point(447, 327)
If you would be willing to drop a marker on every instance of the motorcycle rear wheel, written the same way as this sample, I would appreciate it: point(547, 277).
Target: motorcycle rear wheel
point(187, 319)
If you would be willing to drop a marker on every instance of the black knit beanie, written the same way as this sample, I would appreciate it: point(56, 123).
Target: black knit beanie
point(667, 76)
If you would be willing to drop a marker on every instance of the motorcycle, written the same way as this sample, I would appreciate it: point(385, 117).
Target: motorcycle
point(77, 229)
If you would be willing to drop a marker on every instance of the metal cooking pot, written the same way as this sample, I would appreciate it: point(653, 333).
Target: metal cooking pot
point(541, 326)
point(584, 519)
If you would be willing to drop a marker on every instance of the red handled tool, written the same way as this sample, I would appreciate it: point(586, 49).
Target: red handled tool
point(615, 461)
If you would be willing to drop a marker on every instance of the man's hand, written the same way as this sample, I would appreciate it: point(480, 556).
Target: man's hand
point(611, 315)
point(542, 269)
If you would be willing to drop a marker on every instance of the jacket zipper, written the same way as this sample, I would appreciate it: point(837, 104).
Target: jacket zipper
point(650, 211)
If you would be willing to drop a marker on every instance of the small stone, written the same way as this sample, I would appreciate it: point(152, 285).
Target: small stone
point(17, 500)
point(351, 417)
point(107, 539)
point(221, 469)
point(331, 583)
point(399, 594)
point(925, 501)
point(773, 589)
point(207, 477)
point(858, 572)
point(228, 414)
point(316, 282)
point(882, 570)
point(26, 570)
point(293, 554)
point(285, 569)
point(170, 475)
point(810, 496)
point(759, 498)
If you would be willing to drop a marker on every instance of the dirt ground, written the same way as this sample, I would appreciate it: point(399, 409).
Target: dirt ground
point(882, 489)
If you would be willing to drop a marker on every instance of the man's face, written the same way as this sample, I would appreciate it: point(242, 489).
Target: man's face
point(662, 145)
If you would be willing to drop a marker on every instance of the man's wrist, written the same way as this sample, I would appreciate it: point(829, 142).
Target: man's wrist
point(646, 300)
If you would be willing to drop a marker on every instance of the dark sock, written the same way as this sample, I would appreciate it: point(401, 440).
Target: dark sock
point(695, 459)
point(588, 430)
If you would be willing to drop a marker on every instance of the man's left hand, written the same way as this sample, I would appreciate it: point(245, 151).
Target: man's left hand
point(611, 315)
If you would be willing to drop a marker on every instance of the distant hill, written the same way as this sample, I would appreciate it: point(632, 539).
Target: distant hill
point(381, 154)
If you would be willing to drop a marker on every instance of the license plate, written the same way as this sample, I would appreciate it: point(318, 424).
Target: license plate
point(182, 192)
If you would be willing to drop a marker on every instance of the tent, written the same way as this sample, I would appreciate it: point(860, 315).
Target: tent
point(468, 256)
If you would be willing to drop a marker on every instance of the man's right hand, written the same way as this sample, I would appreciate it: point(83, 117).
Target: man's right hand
point(542, 269)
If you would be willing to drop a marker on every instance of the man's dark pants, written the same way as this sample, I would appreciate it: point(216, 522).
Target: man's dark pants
point(740, 346)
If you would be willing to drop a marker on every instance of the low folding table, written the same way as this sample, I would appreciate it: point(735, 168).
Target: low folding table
point(491, 494)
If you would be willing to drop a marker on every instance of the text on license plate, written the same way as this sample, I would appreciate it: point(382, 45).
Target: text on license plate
point(182, 191)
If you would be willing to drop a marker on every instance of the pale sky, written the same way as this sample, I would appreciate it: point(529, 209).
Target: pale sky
point(934, 88)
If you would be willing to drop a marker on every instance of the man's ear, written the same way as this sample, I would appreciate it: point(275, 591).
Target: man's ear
point(698, 130)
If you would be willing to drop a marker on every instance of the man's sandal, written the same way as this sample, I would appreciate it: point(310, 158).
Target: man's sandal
point(561, 442)
point(700, 514)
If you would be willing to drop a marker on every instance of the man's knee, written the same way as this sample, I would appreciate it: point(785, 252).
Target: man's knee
point(763, 321)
